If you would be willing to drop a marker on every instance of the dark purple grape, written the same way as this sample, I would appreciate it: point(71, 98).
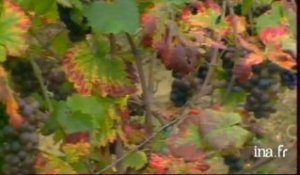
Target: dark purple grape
point(15, 146)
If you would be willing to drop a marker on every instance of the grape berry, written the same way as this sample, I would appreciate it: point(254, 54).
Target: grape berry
point(183, 86)
point(265, 85)
point(19, 146)
point(235, 163)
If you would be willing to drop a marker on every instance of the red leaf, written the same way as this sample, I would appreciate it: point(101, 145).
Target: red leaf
point(149, 23)
point(160, 163)
point(78, 137)
point(274, 35)
point(177, 56)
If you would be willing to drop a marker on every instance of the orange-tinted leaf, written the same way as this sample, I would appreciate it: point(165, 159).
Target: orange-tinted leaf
point(97, 74)
point(283, 59)
point(7, 97)
point(239, 21)
point(14, 24)
point(250, 46)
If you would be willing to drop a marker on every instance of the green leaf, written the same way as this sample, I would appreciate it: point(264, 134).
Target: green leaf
point(222, 130)
point(61, 43)
point(271, 19)
point(40, 7)
point(76, 122)
point(52, 125)
point(99, 113)
point(136, 160)
point(87, 104)
point(2, 54)
point(115, 17)
point(247, 6)
point(70, 122)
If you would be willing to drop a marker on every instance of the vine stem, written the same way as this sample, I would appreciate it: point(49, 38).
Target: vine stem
point(38, 73)
point(235, 32)
point(145, 94)
point(213, 61)
point(152, 136)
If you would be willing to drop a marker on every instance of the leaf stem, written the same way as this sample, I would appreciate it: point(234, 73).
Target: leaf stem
point(236, 53)
point(38, 73)
point(146, 96)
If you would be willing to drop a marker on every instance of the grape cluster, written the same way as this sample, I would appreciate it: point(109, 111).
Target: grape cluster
point(228, 67)
point(20, 145)
point(289, 79)
point(25, 82)
point(77, 31)
point(264, 88)
point(235, 163)
point(181, 91)
point(183, 86)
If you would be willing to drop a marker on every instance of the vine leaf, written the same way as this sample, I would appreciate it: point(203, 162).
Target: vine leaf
point(51, 164)
point(113, 17)
point(217, 166)
point(149, 24)
point(243, 69)
point(222, 130)
point(86, 119)
point(282, 59)
point(75, 152)
point(2, 54)
point(207, 16)
point(97, 73)
point(160, 163)
point(136, 160)
point(7, 97)
point(248, 45)
point(13, 28)
point(272, 18)
point(101, 113)
point(273, 37)
point(187, 144)
point(240, 22)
